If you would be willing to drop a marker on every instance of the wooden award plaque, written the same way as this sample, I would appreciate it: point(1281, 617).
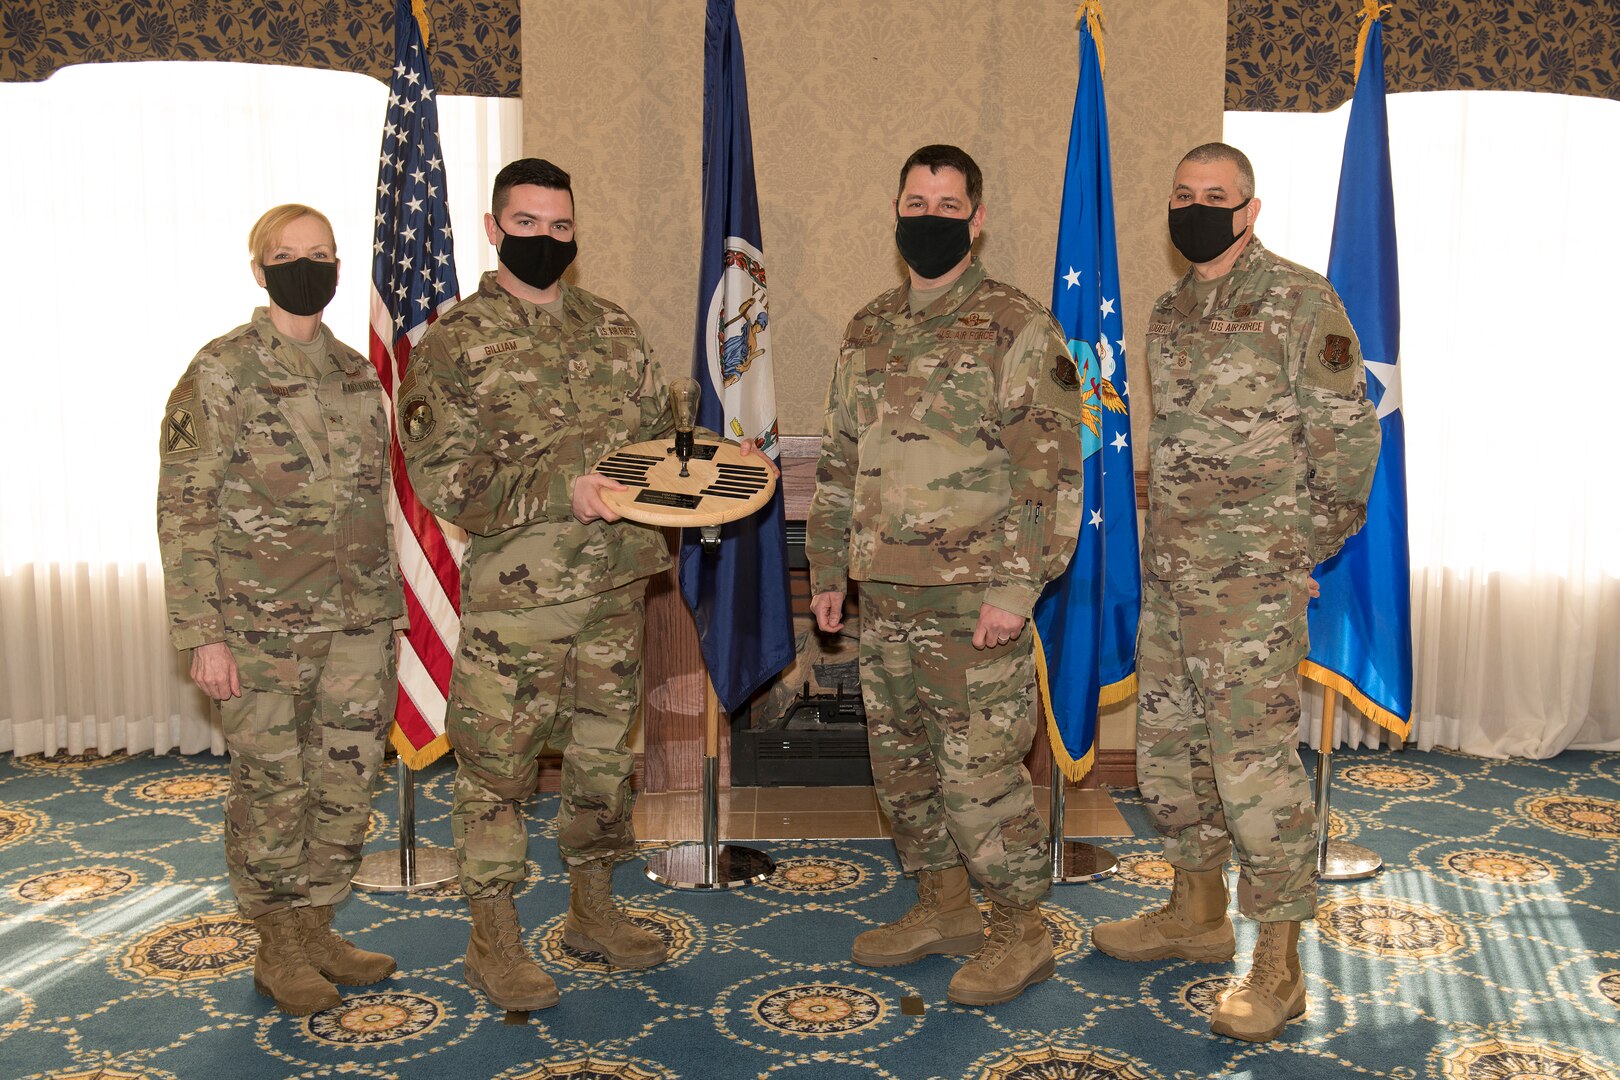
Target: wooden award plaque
point(722, 485)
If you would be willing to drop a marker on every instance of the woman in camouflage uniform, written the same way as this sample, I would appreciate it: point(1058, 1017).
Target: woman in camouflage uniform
point(278, 565)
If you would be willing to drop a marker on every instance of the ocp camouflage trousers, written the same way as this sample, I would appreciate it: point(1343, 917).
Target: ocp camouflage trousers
point(565, 678)
point(948, 727)
point(306, 743)
point(1217, 722)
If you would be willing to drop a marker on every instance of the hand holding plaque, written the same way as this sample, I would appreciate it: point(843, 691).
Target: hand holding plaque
point(685, 483)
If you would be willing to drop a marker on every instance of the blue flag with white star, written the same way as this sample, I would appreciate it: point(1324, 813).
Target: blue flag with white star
point(739, 598)
point(1086, 620)
point(1361, 625)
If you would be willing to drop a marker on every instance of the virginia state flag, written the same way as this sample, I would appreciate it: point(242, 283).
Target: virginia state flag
point(1361, 626)
point(1085, 621)
point(740, 598)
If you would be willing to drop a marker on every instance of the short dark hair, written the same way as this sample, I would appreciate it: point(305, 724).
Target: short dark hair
point(938, 156)
point(536, 171)
point(1212, 152)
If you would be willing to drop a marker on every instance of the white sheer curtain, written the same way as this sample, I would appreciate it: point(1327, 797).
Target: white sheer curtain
point(131, 190)
point(1510, 375)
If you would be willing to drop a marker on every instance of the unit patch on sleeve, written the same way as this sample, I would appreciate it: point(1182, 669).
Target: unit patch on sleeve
point(180, 432)
point(1064, 372)
point(1336, 353)
point(418, 419)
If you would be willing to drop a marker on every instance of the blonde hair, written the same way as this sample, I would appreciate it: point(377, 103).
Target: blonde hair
point(266, 232)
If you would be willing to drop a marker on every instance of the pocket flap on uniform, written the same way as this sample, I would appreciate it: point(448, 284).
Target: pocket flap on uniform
point(477, 687)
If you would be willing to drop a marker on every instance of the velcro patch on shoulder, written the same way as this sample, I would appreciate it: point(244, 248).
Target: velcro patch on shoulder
point(1333, 356)
point(184, 390)
point(416, 419)
point(180, 432)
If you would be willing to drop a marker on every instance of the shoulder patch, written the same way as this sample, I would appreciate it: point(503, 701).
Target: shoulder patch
point(184, 390)
point(180, 432)
point(1336, 353)
point(1065, 373)
point(416, 419)
point(1332, 357)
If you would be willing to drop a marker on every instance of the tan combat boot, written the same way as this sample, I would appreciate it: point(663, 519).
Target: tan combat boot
point(499, 965)
point(944, 920)
point(596, 924)
point(1192, 926)
point(1271, 994)
point(336, 959)
point(282, 971)
point(1017, 953)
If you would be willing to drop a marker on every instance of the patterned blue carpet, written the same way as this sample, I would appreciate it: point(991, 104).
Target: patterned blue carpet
point(1488, 950)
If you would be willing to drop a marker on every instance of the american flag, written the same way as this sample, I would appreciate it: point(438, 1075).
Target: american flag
point(413, 281)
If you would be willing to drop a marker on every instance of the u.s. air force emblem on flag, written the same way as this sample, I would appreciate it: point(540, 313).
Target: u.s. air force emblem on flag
point(739, 344)
point(1096, 374)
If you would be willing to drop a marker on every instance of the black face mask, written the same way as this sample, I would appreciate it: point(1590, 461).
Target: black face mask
point(301, 287)
point(931, 245)
point(537, 261)
point(1204, 233)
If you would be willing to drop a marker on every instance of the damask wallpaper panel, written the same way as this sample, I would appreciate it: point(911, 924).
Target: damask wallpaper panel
point(474, 42)
point(840, 92)
point(1300, 57)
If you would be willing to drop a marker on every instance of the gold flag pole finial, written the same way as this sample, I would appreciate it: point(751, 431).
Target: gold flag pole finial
point(423, 23)
point(1372, 10)
point(1091, 12)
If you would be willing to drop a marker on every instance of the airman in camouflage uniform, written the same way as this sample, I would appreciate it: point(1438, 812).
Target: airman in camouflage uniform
point(280, 579)
point(949, 487)
point(1262, 453)
point(510, 401)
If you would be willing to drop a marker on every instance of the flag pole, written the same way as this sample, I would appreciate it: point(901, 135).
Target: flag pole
point(1336, 860)
point(1073, 861)
point(709, 864)
point(413, 867)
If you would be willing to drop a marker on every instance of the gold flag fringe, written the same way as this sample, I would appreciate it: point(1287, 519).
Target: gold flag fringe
point(411, 756)
point(1111, 694)
point(1091, 12)
point(1373, 10)
point(419, 9)
point(1348, 690)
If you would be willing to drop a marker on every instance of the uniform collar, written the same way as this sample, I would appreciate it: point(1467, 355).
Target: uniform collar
point(895, 306)
point(579, 308)
point(288, 356)
point(1226, 286)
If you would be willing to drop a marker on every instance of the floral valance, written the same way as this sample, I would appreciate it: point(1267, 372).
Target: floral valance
point(1300, 56)
point(474, 43)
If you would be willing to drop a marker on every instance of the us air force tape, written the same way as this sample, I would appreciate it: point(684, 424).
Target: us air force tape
point(723, 485)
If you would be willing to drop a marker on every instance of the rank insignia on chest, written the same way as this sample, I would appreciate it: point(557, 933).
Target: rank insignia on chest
point(180, 432)
point(418, 420)
point(1064, 372)
point(1336, 353)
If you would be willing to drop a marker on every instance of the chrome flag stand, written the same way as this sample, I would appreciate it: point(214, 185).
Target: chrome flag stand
point(710, 864)
point(411, 868)
point(1336, 860)
point(1073, 861)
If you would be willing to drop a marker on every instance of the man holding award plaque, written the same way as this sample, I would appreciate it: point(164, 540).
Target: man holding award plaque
point(509, 402)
